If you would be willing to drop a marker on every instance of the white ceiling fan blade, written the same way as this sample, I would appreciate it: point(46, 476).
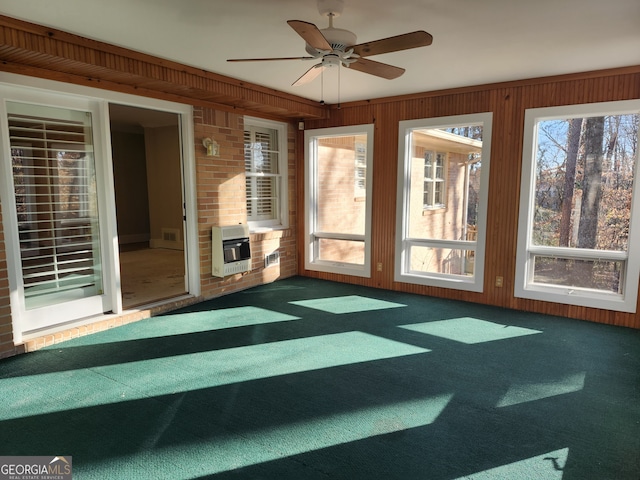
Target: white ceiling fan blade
point(309, 75)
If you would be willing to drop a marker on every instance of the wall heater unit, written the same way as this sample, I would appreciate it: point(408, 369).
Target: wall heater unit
point(230, 250)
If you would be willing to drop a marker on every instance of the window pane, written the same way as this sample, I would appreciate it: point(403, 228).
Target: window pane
point(441, 203)
point(260, 151)
point(56, 203)
point(428, 193)
point(262, 197)
point(576, 206)
point(360, 186)
point(439, 194)
point(264, 182)
point(428, 164)
point(584, 181)
point(440, 162)
point(338, 218)
point(594, 274)
point(444, 182)
point(441, 260)
point(266, 196)
point(343, 251)
point(339, 210)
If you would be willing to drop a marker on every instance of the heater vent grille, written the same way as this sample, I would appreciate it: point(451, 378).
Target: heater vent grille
point(271, 259)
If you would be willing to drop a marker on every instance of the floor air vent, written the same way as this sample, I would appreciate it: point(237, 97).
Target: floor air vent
point(271, 259)
point(170, 234)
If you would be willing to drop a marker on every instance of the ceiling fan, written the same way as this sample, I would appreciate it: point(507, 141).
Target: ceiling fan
point(335, 47)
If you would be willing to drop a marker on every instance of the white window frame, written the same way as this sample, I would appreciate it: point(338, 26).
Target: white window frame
point(312, 235)
point(282, 208)
point(524, 285)
point(402, 270)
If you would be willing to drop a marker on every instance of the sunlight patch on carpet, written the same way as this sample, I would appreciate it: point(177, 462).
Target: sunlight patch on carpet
point(347, 304)
point(530, 392)
point(54, 392)
point(183, 324)
point(548, 466)
point(469, 330)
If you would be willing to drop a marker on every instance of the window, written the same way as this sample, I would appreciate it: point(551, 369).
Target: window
point(265, 159)
point(52, 159)
point(443, 175)
point(579, 210)
point(338, 223)
point(434, 184)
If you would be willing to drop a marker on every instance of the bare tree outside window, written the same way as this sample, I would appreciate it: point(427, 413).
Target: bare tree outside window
point(584, 180)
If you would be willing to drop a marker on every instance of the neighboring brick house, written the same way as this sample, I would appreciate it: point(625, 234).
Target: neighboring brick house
point(444, 184)
point(341, 189)
point(445, 176)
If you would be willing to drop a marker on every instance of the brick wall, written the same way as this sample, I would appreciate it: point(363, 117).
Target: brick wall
point(440, 223)
point(6, 329)
point(221, 196)
point(341, 209)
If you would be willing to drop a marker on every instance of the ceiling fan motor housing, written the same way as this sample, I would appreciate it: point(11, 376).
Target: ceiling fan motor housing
point(338, 38)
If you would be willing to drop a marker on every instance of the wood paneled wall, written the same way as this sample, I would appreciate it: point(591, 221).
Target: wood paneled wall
point(508, 102)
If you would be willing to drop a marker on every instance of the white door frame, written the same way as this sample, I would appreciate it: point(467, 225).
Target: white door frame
point(104, 169)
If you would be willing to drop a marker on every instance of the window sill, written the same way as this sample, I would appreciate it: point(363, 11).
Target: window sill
point(577, 297)
point(429, 210)
point(276, 231)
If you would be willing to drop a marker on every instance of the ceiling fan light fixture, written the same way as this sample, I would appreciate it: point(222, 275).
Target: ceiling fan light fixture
point(331, 61)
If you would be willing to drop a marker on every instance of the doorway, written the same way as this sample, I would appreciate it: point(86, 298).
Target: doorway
point(147, 169)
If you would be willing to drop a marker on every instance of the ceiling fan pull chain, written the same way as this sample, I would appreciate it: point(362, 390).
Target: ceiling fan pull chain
point(339, 69)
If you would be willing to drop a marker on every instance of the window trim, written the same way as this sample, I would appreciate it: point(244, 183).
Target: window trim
point(524, 285)
point(282, 220)
point(402, 273)
point(311, 235)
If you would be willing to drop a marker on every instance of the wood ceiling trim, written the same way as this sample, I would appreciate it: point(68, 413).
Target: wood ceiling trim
point(35, 50)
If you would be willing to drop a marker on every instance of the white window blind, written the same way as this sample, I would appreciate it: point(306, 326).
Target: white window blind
point(360, 173)
point(262, 173)
point(56, 206)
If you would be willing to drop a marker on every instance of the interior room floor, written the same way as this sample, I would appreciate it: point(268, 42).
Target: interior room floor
point(150, 274)
point(309, 379)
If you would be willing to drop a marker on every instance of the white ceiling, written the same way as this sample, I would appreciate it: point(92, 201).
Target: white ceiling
point(475, 41)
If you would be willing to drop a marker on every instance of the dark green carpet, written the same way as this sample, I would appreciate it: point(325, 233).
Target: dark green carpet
point(307, 379)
